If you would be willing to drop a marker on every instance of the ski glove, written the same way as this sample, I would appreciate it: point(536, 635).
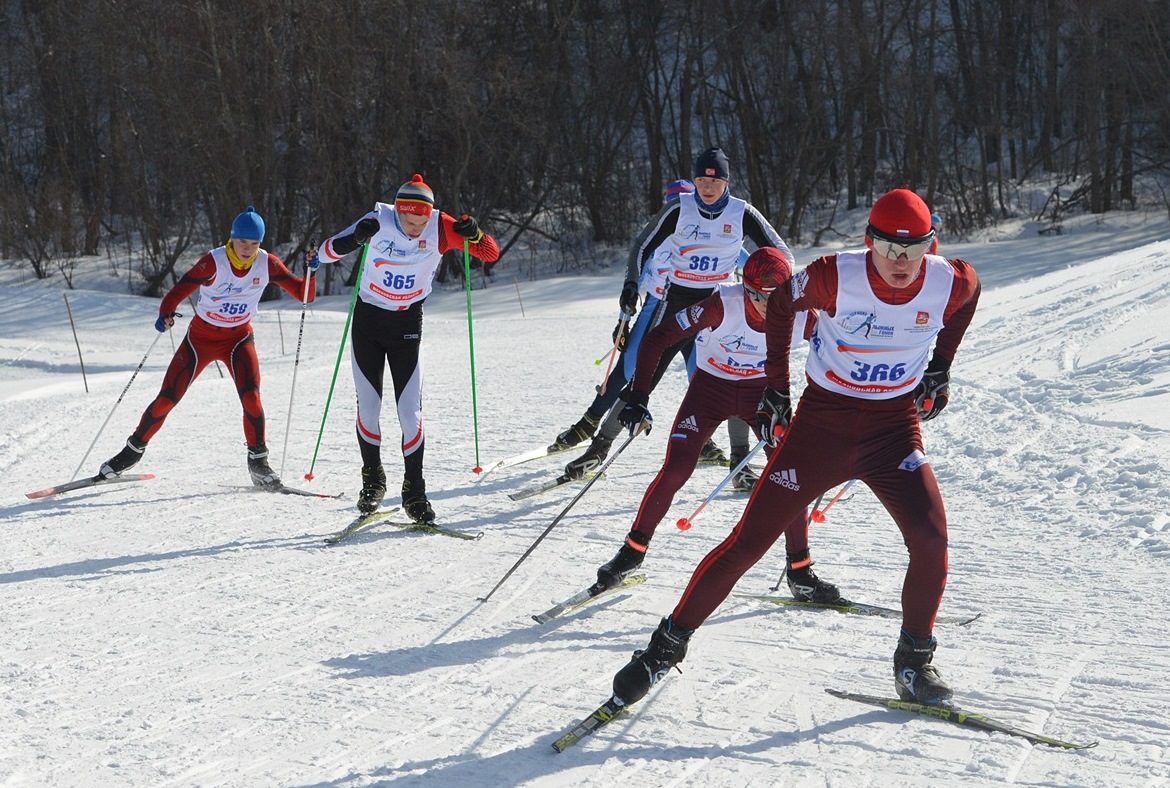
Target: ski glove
point(934, 390)
point(635, 412)
point(774, 414)
point(366, 229)
point(363, 231)
point(628, 300)
point(312, 261)
point(622, 328)
point(468, 228)
point(165, 321)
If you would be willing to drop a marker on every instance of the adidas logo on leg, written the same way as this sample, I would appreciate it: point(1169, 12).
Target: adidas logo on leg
point(785, 479)
point(689, 423)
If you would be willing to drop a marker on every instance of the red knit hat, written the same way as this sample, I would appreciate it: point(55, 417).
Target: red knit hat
point(900, 214)
point(415, 197)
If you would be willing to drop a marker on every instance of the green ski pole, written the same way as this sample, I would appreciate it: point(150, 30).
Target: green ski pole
point(471, 344)
point(349, 316)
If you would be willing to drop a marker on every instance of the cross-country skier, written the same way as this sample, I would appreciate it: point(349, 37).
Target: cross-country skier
point(706, 231)
point(858, 418)
point(230, 281)
point(405, 244)
point(652, 283)
point(728, 329)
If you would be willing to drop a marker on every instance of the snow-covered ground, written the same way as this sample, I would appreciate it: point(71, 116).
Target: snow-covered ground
point(181, 632)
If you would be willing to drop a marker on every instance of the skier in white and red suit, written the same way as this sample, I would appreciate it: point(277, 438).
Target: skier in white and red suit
point(230, 281)
point(730, 351)
point(858, 418)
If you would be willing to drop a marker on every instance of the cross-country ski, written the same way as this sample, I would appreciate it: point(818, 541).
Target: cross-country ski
point(858, 608)
point(961, 717)
point(592, 594)
point(90, 481)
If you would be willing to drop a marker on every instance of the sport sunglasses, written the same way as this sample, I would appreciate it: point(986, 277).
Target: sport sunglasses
point(893, 248)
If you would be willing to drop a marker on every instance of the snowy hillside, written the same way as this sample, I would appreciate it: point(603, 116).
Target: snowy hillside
point(181, 632)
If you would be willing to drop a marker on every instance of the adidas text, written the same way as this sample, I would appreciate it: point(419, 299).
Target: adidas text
point(785, 479)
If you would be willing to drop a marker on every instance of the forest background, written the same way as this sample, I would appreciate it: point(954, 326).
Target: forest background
point(139, 130)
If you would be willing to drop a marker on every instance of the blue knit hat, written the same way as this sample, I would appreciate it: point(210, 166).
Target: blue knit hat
point(248, 226)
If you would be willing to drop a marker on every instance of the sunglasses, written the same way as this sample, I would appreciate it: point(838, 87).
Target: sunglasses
point(756, 295)
point(894, 248)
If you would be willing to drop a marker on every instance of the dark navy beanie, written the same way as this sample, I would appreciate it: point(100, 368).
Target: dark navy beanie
point(248, 226)
point(713, 163)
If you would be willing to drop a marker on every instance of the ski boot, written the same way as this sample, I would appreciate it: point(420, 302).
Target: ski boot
point(127, 458)
point(414, 501)
point(629, 557)
point(261, 472)
point(712, 454)
point(373, 489)
point(745, 479)
point(667, 648)
point(916, 680)
point(580, 431)
point(591, 460)
point(804, 583)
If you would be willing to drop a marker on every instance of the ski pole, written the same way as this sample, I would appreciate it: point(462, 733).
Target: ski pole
point(819, 516)
point(613, 354)
point(120, 396)
point(357, 284)
point(565, 511)
point(73, 326)
point(296, 364)
point(471, 345)
point(807, 520)
point(685, 523)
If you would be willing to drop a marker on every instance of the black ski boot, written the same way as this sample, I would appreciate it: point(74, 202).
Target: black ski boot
point(916, 680)
point(414, 501)
point(804, 583)
point(667, 648)
point(373, 489)
point(629, 557)
point(580, 431)
point(591, 460)
point(261, 471)
point(712, 454)
point(745, 479)
point(127, 458)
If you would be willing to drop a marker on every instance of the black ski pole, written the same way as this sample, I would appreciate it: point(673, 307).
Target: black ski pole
point(565, 511)
point(138, 369)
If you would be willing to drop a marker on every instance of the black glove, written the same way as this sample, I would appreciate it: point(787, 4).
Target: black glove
point(468, 228)
point(934, 389)
point(363, 231)
point(635, 412)
point(366, 229)
point(623, 326)
point(774, 414)
point(628, 300)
